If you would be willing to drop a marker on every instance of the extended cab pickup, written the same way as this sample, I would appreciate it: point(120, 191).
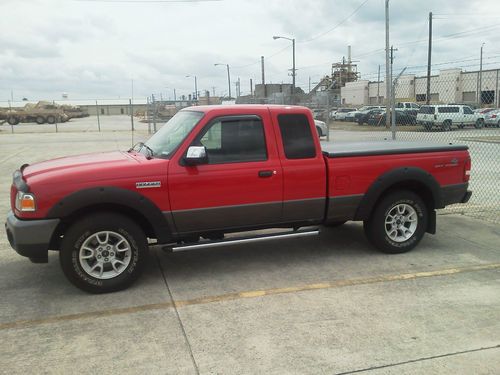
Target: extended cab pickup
point(214, 170)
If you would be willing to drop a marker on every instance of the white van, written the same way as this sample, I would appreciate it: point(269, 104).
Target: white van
point(445, 116)
point(407, 106)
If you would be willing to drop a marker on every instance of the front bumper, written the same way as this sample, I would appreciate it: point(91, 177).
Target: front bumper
point(30, 238)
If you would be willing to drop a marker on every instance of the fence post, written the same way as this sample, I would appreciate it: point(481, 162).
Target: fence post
point(147, 115)
point(154, 113)
point(327, 116)
point(54, 104)
point(97, 113)
point(11, 126)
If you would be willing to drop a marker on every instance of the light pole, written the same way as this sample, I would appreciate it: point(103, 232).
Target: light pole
point(195, 86)
point(479, 98)
point(228, 78)
point(293, 58)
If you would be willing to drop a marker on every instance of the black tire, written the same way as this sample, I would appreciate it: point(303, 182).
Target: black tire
point(40, 120)
point(479, 123)
point(447, 125)
point(335, 224)
point(320, 133)
point(376, 228)
point(12, 120)
point(83, 232)
point(498, 124)
point(51, 119)
point(461, 126)
point(428, 127)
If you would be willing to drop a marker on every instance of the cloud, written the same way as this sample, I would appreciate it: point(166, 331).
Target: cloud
point(94, 49)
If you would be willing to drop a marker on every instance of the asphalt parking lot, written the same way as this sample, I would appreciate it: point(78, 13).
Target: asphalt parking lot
point(328, 304)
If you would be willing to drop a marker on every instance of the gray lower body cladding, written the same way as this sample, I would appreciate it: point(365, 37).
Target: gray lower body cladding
point(30, 238)
point(225, 218)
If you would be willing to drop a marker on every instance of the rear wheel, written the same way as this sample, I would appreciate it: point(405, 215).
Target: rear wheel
point(398, 222)
point(103, 253)
point(428, 126)
point(40, 120)
point(447, 125)
point(51, 119)
point(479, 123)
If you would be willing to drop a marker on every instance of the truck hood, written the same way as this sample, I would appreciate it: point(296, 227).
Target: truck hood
point(87, 167)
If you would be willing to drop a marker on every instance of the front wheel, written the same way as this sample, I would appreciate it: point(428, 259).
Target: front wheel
point(103, 253)
point(479, 123)
point(398, 223)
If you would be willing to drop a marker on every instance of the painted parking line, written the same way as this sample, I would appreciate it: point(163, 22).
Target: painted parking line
point(246, 295)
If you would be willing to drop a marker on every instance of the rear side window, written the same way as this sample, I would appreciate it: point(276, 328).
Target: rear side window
point(426, 110)
point(448, 109)
point(468, 111)
point(296, 135)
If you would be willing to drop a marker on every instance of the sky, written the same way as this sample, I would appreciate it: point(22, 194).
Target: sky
point(96, 49)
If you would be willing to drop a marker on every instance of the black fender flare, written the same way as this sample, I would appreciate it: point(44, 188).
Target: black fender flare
point(109, 195)
point(394, 177)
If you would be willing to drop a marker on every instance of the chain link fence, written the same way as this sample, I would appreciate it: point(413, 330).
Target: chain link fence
point(463, 108)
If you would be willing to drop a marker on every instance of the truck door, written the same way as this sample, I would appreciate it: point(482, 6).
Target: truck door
point(240, 186)
point(469, 116)
point(304, 169)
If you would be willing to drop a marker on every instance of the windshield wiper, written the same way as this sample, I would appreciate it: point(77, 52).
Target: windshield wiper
point(141, 145)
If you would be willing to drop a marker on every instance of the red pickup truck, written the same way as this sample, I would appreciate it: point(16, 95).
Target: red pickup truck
point(215, 170)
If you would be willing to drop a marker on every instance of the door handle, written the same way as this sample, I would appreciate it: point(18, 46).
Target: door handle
point(266, 173)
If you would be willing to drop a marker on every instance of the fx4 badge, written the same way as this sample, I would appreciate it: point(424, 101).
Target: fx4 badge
point(147, 184)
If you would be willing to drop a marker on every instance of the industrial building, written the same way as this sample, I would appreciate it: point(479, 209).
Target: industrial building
point(449, 86)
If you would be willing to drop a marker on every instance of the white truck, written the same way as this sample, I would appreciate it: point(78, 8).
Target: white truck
point(445, 116)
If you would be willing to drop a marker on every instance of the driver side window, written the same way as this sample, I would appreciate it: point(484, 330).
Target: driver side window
point(234, 141)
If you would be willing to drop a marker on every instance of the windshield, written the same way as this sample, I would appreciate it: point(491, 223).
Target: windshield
point(170, 135)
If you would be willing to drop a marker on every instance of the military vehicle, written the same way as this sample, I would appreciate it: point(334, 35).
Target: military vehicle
point(40, 113)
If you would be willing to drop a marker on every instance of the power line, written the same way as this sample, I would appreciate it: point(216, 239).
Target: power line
point(267, 58)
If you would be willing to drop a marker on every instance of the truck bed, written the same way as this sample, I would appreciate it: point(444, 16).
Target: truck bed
point(368, 148)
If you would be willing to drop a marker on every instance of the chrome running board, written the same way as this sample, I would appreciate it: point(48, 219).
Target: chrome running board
point(240, 240)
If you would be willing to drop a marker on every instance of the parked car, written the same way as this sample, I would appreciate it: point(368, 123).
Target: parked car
point(321, 128)
point(366, 115)
point(354, 116)
point(341, 113)
point(402, 118)
point(445, 116)
point(213, 170)
point(492, 118)
point(319, 114)
point(483, 110)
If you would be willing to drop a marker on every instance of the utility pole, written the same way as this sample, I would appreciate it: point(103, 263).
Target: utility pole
point(293, 67)
point(263, 75)
point(195, 88)
point(393, 98)
point(251, 87)
point(480, 99)
point(213, 90)
point(388, 78)
point(378, 85)
point(309, 84)
point(429, 52)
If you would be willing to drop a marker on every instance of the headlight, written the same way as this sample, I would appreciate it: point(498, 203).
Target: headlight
point(25, 202)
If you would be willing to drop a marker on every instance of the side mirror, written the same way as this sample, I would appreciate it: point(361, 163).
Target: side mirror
point(196, 155)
